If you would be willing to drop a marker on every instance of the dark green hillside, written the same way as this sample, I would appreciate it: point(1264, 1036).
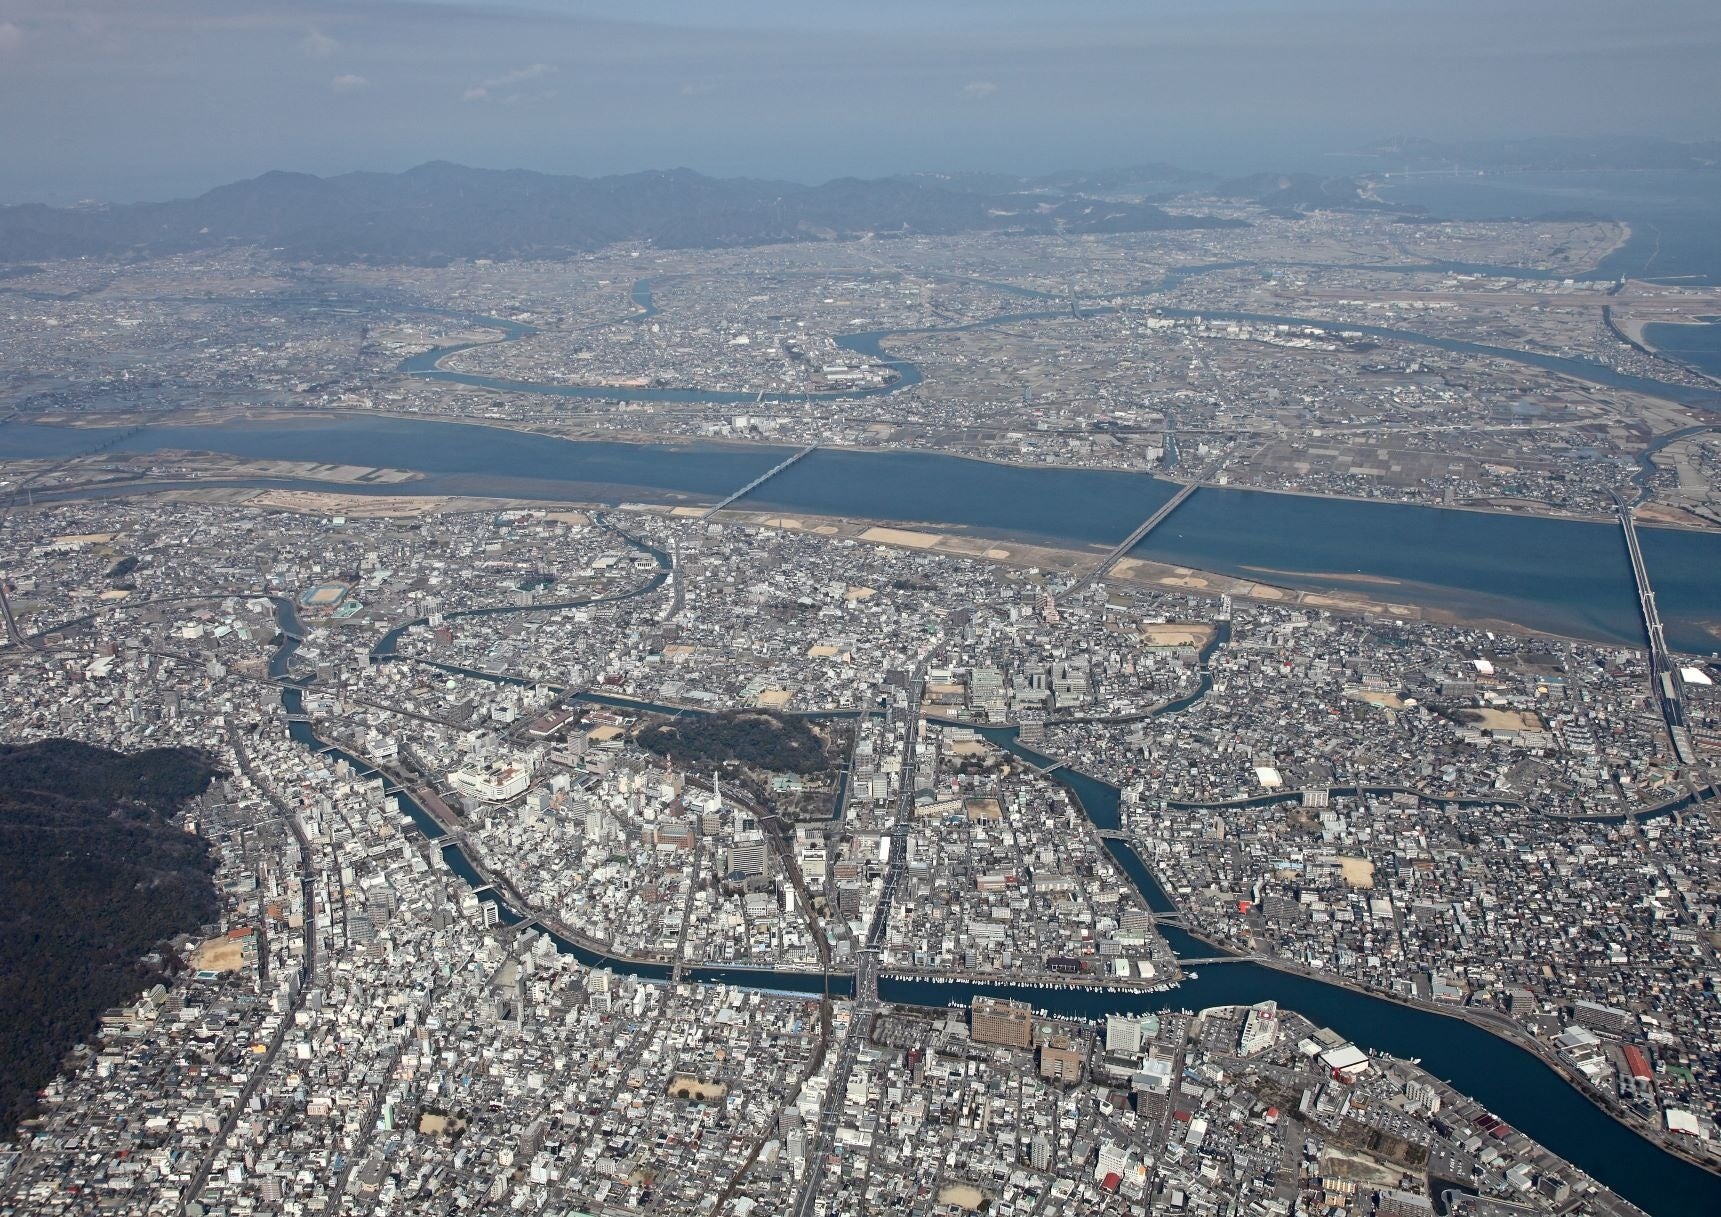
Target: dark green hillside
point(93, 876)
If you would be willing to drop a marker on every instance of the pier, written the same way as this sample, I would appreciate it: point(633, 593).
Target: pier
point(1135, 538)
point(757, 482)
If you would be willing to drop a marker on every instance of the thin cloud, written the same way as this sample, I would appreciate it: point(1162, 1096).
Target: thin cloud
point(11, 37)
point(485, 90)
point(319, 45)
point(979, 90)
point(349, 82)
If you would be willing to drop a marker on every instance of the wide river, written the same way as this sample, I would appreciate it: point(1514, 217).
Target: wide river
point(1562, 576)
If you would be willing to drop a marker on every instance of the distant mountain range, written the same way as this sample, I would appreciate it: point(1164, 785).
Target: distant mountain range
point(1149, 180)
point(439, 212)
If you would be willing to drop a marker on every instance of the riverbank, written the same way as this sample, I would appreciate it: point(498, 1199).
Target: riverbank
point(1502, 1028)
point(1166, 907)
point(762, 446)
point(1527, 573)
point(1145, 572)
point(1499, 1026)
point(1070, 560)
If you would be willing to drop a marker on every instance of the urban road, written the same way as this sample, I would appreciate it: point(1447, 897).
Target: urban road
point(307, 971)
point(866, 967)
point(866, 972)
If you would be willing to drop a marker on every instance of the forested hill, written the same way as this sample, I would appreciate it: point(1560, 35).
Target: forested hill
point(94, 874)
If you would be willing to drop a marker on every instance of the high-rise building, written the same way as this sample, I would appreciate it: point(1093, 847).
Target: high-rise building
point(599, 986)
point(750, 855)
point(992, 1020)
point(1059, 1062)
point(1123, 1034)
point(1260, 1028)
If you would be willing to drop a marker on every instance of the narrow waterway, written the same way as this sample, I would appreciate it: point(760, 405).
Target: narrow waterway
point(1512, 1082)
point(869, 343)
point(1582, 369)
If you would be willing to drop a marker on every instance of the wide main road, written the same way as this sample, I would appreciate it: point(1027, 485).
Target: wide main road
point(866, 966)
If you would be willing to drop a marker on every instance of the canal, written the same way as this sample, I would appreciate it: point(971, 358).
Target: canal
point(1510, 1081)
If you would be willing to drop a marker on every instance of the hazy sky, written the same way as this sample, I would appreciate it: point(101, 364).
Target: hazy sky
point(127, 99)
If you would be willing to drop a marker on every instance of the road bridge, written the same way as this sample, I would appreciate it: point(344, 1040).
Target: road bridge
point(1135, 538)
point(1663, 674)
point(757, 482)
point(12, 633)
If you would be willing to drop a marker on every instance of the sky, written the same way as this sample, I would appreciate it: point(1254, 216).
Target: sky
point(147, 99)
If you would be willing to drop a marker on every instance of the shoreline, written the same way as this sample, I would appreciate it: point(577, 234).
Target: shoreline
point(1631, 331)
point(1674, 359)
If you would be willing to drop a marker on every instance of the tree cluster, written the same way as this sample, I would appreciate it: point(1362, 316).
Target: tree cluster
point(778, 742)
point(94, 876)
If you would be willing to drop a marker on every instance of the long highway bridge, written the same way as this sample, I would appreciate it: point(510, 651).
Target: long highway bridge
point(1135, 538)
point(1663, 675)
point(757, 482)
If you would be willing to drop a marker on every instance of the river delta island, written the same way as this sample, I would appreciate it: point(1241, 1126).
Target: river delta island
point(1219, 719)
